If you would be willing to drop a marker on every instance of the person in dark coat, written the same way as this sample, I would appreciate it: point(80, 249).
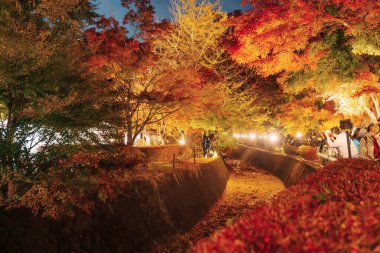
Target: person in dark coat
point(205, 144)
point(211, 140)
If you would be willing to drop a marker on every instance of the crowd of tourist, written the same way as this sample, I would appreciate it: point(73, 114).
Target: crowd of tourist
point(344, 141)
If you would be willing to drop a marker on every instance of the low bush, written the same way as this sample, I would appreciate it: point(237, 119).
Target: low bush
point(335, 209)
point(290, 150)
point(77, 182)
point(308, 152)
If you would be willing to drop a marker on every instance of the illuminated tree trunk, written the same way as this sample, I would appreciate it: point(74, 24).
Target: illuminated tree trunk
point(375, 101)
point(370, 113)
point(130, 137)
point(9, 154)
point(374, 115)
point(162, 130)
point(120, 136)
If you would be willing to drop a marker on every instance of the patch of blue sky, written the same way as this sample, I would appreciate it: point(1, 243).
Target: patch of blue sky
point(162, 8)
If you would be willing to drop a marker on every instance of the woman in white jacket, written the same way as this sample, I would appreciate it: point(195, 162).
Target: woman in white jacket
point(340, 142)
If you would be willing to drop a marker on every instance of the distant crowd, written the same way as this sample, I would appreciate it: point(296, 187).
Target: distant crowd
point(345, 141)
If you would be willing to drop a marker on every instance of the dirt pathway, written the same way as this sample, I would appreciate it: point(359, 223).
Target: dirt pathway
point(247, 188)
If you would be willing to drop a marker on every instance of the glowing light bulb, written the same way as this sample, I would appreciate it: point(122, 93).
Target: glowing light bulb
point(273, 137)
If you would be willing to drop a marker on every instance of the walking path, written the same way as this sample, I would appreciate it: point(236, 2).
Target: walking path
point(247, 188)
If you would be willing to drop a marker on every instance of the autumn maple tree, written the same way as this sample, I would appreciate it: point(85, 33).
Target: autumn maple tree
point(278, 35)
point(307, 111)
point(40, 82)
point(219, 97)
point(316, 46)
point(143, 88)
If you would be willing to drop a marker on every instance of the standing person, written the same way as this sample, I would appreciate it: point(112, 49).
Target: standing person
point(322, 142)
point(356, 139)
point(204, 144)
point(211, 139)
point(369, 147)
point(290, 140)
point(340, 142)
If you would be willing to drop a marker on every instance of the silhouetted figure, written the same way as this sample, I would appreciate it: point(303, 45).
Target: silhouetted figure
point(204, 144)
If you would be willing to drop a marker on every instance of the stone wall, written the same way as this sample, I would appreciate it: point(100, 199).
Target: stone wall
point(289, 169)
point(148, 209)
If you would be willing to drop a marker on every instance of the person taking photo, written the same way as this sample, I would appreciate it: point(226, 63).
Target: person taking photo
point(369, 146)
point(340, 142)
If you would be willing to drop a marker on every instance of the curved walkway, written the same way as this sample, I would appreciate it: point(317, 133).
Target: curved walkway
point(247, 188)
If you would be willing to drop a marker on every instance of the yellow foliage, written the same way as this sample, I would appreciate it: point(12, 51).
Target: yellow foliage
point(351, 101)
point(197, 28)
point(366, 41)
point(302, 115)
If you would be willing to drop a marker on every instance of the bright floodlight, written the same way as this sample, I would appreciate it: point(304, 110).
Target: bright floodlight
point(238, 136)
point(260, 136)
point(273, 137)
point(299, 135)
point(265, 136)
point(252, 136)
point(182, 142)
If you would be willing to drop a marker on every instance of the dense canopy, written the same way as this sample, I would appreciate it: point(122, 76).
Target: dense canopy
point(73, 78)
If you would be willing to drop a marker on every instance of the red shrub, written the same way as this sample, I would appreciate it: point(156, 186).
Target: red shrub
point(335, 209)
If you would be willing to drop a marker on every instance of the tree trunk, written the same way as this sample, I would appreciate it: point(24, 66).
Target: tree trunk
point(370, 113)
point(11, 189)
point(9, 153)
point(130, 139)
point(120, 138)
point(375, 101)
point(162, 131)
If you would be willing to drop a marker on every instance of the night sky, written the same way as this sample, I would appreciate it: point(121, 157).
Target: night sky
point(113, 8)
